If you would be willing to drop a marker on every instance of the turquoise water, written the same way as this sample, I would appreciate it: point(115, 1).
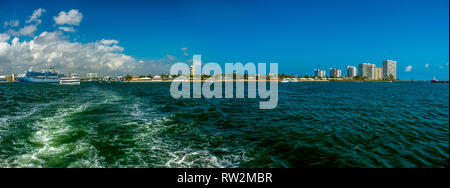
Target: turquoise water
point(140, 125)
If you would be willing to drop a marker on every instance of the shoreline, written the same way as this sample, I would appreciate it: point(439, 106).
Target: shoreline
point(167, 81)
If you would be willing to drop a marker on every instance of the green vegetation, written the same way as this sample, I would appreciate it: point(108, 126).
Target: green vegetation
point(128, 77)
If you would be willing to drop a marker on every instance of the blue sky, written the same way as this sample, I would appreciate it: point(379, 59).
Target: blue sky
point(299, 35)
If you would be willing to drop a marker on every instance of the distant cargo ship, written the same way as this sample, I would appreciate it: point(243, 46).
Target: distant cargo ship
point(437, 81)
point(48, 76)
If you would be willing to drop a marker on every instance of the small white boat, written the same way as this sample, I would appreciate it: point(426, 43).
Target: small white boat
point(285, 80)
point(72, 80)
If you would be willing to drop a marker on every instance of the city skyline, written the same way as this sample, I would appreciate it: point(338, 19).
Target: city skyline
point(147, 37)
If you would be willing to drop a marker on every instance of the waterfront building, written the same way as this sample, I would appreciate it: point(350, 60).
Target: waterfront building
point(135, 78)
point(192, 70)
point(7, 78)
point(91, 75)
point(351, 71)
point(336, 73)
point(145, 79)
point(390, 68)
point(375, 73)
point(363, 69)
point(319, 73)
point(157, 78)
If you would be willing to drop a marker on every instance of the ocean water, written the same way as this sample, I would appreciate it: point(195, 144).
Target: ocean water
point(122, 125)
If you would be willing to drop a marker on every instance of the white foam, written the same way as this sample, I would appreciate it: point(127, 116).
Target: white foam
point(49, 130)
point(177, 154)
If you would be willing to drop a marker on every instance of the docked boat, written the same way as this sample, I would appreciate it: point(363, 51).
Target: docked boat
point(47, 76)
point(72, 80)
point(286, 80)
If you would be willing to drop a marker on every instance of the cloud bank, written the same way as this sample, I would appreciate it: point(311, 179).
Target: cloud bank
point(55, 49)
point(52, 49)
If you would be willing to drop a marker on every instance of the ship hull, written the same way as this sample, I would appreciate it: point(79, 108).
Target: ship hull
point(36, 80)
point(436, 81)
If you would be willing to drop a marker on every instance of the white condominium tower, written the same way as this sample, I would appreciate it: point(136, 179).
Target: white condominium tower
point(390, 68)
point(370, 71)
point(334, 72)
point(363, 69)
point(319, 73)
point(375, 73)
point(351, 71)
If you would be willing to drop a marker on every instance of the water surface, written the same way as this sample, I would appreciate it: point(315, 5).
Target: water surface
point(140, 125)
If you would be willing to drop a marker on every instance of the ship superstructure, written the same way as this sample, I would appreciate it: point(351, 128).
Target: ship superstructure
point(46, 76)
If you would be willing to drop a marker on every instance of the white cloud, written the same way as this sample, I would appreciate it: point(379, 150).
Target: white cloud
point(12, 23)
point(52, 49)
point(35, 16)
point(73, 17)
point(67, 29)
point(109, 42)
point(55, 49)
point(427, 65)
point(4, 37)
point(408, 68)
point(185, 53)
point(170, 57)
point(25, 31)
point(28, 30)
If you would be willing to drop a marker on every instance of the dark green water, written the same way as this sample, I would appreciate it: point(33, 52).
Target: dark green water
point(141, 125)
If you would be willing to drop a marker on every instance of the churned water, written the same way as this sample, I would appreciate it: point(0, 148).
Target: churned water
point(332, 124)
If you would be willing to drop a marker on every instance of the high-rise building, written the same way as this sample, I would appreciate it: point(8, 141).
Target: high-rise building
point(334, 72)
point(375, 73)
point(363, 69)
point(351, 71)
point(319, 73)
point(390, 68)
point(192, 70)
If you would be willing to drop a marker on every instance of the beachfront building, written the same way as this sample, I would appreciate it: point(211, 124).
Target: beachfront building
point(335, 73)
point(192, 70)
point(375, 73)
point(351, 71)
point(363, 69)
point(135, 78)
point(145, 79)
point(390, 68)
point(7, 78)
point(157, 78)
point(319, 73)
